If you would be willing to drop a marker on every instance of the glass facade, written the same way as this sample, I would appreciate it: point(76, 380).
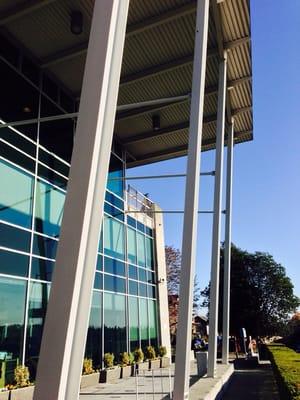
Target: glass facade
point(34, 168)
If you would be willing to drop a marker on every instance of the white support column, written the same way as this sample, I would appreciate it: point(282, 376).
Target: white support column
point(215, 261)
point(189, 240)
point(163, 306)
point(65, 331)
point(227, 254)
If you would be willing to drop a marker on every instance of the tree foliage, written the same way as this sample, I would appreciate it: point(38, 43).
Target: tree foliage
point(261, 296)
point(173, 265)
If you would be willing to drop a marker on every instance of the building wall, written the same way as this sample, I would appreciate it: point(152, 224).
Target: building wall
point(34, 166)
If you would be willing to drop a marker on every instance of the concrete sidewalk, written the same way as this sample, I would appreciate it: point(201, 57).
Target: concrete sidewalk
point(256, 383)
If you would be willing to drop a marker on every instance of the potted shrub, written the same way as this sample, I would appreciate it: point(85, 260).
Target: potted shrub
point(89, 376)
point(164, 361)
point(111, 372)
point(24, 391)
point(154, 362)
point(126, 362)
point(139, 360)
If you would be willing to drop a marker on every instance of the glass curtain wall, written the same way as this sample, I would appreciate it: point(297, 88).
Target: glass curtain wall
point(34, 168)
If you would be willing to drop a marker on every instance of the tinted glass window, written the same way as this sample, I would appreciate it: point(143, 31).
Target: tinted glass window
point(12, 304)
point(133, 322)
point(14, 238)
point(115, 267)
point(131, 245)
point(49, 209)
point(16, 199)
point(114, 184)
point(141, 251)
point(144, 326)
point(13, 263)
point(93, 348)
point(132, 272)
point(133, 287)
point(98, 281)
point(114, 284)
point(153, 322)
point(42, 269)
point(114, 323)
point(114, 239)
point(44, 247)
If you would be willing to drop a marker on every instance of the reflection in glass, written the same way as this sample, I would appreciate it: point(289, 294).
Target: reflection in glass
point(114, 184)
point(12, 307)
point(42, 269)
point(115, 267)
point(114, 323)
point(14, 238)
point(133, 323)
point(114, 284)
point(153, 323)
point(113, 238)
point(49, 209)
point(38, 300)
point(141, 249)
point(44, 246)
point(16, 199)
point(13, 263)
point(144, 327)
point(131, 245)
point(93, 348)
point(149, 252)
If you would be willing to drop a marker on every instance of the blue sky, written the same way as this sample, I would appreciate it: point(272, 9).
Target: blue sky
point(266, 195)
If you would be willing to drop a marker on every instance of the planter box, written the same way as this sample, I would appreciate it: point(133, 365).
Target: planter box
point(4, 395)
point(143, 366)
point(110, 375)
point(127, 371)
point(90, 380)
point(165, 362)
point(25, 393)
point(154, 364)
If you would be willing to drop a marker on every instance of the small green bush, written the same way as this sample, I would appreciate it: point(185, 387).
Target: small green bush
point(131, 358)
point(138, 355)
point(21, 375)
point(286, 366)
point(87, 367)
point(150, 353)
point(124, 359)
point(162, 351)
point(109, 360)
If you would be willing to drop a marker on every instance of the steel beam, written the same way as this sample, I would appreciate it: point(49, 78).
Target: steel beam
point(215, 259)
point(65, 330)
point(189, 240)
point(227, 253)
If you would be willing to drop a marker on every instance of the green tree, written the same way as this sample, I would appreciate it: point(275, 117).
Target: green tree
point(261, 295)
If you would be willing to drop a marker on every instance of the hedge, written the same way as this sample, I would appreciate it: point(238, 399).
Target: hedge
point(286, 366)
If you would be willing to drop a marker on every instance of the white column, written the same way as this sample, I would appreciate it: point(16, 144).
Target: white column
point(227, 253)
point(163, 305)
point(65, 331)
point(215, 261)
point(183, 345)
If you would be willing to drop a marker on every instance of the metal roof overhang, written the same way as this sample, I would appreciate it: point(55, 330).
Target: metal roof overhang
point(157, 64)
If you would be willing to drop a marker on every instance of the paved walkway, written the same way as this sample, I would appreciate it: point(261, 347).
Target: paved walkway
point(255, 383)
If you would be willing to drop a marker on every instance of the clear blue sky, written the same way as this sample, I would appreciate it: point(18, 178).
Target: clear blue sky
point(266, 196)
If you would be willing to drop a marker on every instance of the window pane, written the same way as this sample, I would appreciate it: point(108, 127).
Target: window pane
point(114, 284)
point(115, 171)
point(115, 267)
point(133, 323)
point(153, 323)
point(114, 323)
point(12, 308)
point(132, 274)
point(49, 209)
point(16, 199)
point(44, 247)
point(149, 253)
point(93, 348)
point(131, 245)
point(14, 238)
point(133, 287)
point(42, 269)
point(113, 238)
point(13, 263)
point(143, 289)
point(144, 323)
point(38, 300)
point(98, 281)
point(141, 249)
point(142, 275)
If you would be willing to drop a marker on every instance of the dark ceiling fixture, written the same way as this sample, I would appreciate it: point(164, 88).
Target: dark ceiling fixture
point(156, 122)
point(76, 22)
point(27, 109)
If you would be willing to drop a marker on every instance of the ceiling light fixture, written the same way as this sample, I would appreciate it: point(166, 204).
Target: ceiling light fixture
point(76, 22)
point(156, 122)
